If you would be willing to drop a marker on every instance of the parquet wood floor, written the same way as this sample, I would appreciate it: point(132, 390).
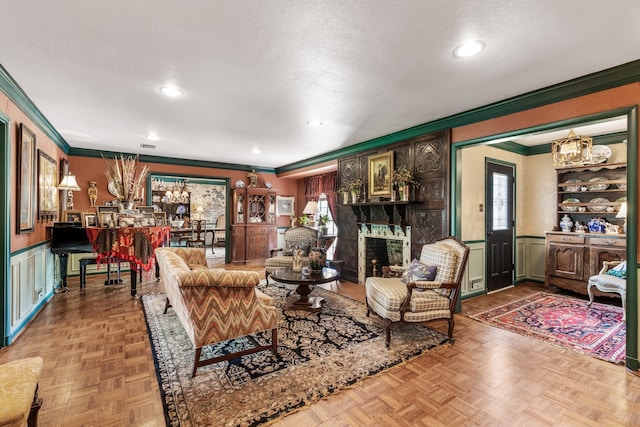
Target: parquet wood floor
point(98, 371)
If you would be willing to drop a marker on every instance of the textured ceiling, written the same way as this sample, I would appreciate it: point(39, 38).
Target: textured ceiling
point(254, 72)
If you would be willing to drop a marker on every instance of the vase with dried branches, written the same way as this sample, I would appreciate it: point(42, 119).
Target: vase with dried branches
point(127, 178)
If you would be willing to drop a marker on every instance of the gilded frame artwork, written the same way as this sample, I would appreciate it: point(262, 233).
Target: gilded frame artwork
point(380, 171)
point(285, 205)
point(47, 187)
point(26, 194)
point(72, 216)
point(160, 218)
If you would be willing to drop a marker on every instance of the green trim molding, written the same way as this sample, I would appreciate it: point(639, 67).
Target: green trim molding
point(5, 228)
point(591, 83)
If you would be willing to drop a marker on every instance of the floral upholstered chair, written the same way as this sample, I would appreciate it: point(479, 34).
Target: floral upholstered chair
point(304, 238)
point(428, 290)
point(610, 280)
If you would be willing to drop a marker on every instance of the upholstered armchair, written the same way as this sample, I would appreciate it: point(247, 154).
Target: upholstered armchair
point(428, 290)
point(302, 237)
point(610, 280)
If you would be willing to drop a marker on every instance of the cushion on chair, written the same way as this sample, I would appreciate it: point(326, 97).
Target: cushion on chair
point(444, 257)
point(419, 271)
point(608, 283)
point(18, 382)
point(619, 270)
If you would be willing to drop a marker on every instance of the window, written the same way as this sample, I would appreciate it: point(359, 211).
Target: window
point(323, 209)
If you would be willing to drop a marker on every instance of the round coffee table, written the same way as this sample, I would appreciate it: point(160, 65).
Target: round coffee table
point(302, 300)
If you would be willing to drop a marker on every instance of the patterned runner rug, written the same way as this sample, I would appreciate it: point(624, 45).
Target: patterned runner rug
point(597, 331)
point(319, 354)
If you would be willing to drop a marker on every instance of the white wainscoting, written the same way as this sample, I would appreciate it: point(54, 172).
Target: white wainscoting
point(32, 285)
point(474, 281)
point(529, 260)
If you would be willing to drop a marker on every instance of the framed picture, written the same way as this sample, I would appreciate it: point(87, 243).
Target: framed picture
point(47, 187)
point(148, 221)
point(380, 170)
point(26, 181)
point(160, 219)
point(64, 170)
point(285, 205)
point(126, 220)
point(107, 219)
point(72, 216)
point(107, 215)
point(145, 210)
point(89, 219)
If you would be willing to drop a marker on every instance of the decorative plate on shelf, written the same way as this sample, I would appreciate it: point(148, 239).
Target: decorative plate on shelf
point(622, 185)
point(567, 208)
point(598, 187)
point(600, 153)
point(573, 188)
point(181, 210)
point(602, 207)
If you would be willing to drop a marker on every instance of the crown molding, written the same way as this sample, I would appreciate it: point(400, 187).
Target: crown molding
point(585, 85)
point(14, 92)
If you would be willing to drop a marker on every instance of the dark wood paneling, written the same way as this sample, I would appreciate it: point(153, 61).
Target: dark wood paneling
point(428, 213)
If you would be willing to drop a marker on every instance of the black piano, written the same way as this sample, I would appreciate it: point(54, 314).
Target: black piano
point(68, 238)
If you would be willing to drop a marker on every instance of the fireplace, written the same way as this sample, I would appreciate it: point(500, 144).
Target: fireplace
point(389, 244)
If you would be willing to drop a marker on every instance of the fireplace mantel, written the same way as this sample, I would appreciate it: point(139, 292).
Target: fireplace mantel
point(363, 213)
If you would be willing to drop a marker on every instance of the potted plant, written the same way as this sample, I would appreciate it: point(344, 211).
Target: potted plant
point(323, 220)
point(303, 220)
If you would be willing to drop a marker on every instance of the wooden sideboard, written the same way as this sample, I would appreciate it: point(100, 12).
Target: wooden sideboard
point(573, 257)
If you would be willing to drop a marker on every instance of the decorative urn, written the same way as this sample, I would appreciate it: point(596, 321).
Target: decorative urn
point(566, 224)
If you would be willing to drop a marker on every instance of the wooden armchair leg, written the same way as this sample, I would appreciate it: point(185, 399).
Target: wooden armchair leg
point(450, 332)
point(32, 421)
point(387, 332)
point(274, 341)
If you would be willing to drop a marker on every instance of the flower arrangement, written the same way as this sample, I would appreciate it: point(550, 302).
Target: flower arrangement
point(127, 177)
point(317, 258)
point(404, 176)
point(343, 189)
point(356, 185)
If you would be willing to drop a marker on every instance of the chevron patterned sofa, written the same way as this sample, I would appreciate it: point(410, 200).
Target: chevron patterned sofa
point(215, 305)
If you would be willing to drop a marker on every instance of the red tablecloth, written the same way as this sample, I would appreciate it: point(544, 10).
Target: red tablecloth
point(133, 244)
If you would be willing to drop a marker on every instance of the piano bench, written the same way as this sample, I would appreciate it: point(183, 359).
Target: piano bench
point(92, 260)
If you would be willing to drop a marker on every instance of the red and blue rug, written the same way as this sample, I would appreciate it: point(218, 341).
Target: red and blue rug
point(597, 330)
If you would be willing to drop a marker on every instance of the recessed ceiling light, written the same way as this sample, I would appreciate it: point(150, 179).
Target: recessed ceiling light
point(152, 137)
point(171, 91)
point(314, 123)
point(468, 49)
point(255, 150)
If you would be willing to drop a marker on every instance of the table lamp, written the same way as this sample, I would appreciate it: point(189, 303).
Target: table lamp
point(311, 209)
point(70, 184)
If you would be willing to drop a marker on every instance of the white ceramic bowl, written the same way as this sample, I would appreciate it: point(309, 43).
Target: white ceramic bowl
point(177, 224)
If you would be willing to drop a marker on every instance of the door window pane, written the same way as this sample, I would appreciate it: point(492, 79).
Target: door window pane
point(500, 198)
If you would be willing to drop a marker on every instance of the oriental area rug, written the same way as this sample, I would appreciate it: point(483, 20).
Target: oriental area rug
point(319, 354)
point(566, 321)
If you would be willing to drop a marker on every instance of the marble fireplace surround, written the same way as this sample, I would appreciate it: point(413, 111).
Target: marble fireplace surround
point(378, 231)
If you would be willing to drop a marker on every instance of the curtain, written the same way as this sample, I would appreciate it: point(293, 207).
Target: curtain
point(325, 183)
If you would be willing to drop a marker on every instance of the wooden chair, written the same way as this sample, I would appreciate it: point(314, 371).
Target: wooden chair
point(416, 301)
point(197, 238)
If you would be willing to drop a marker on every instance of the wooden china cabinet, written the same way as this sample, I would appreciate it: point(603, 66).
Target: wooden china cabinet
point(253, 224)
point(585, 192)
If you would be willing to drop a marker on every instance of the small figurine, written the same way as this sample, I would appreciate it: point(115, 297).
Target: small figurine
point(253, 178)
point(92, 191)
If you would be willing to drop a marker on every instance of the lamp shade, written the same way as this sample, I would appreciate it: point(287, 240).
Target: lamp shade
point(69, 183)
point(622, 213)
point(311, 208)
